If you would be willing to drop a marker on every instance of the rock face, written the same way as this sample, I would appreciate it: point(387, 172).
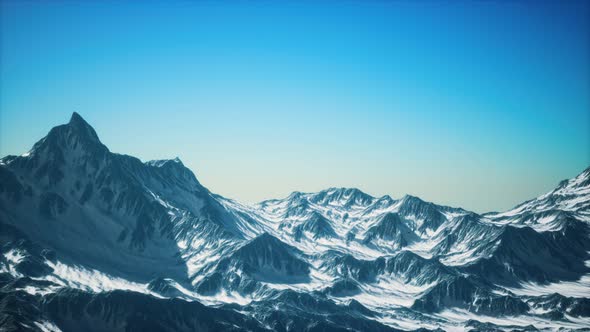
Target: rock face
point(108, 211)
point(391, 228)
point(267, 257)
point(97, 241)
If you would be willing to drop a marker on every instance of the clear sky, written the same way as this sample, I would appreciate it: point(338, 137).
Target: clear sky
point(478, 104)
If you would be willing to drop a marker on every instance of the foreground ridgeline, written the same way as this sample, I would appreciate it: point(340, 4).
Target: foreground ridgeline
point(97, 241)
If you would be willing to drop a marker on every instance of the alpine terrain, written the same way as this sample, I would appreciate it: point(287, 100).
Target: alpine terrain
point(92, 240)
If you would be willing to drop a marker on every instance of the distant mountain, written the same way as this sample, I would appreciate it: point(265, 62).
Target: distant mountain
point(570, 200)
point(93, 240)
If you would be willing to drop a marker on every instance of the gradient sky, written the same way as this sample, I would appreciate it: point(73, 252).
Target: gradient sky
point(478, 104)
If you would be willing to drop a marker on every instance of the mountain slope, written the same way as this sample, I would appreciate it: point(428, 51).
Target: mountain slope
point(112, 212)
point(95, 240)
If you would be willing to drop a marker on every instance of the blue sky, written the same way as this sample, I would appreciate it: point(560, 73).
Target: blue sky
point(479, 104)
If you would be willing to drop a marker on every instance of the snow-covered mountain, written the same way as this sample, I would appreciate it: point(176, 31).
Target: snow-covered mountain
point(98, 241)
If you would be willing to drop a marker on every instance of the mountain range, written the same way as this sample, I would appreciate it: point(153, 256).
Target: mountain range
point(93, 240)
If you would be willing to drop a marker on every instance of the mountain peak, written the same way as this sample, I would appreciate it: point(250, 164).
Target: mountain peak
point(265, 238)
point(345, 197)
point(413, 200)
point(77, 132)
point(345, 190)
point(76, 119)
point(163, 162)
point(81, 128)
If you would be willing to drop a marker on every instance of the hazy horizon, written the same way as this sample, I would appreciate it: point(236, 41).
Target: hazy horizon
point(481, 105)
point(289, 192)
